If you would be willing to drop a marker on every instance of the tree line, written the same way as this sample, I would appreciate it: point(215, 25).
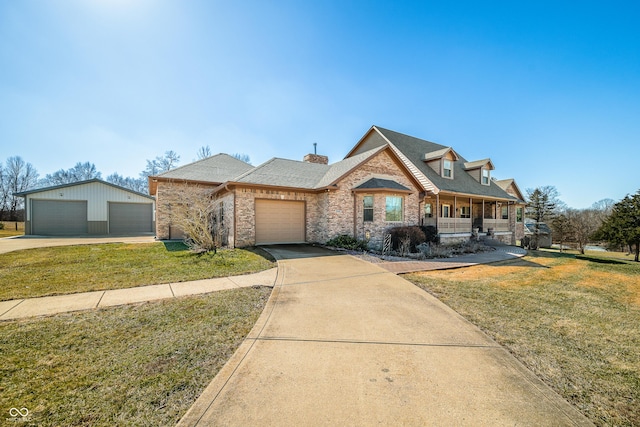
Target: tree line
point(17, 175)
point(616, 223)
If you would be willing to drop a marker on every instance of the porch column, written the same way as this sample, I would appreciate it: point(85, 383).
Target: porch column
point(455, 214)
point(471, 213)
point(438, 213)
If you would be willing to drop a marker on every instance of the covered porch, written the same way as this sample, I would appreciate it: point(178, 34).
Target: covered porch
point(456, 214)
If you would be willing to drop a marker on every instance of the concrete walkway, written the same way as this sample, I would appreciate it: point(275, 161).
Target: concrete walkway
point(30, 307)
point(346, 342)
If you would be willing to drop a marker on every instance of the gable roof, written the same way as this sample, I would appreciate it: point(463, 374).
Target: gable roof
point(73, 184)
point(478, 164)
point(414, 150)
point(438, 154)
point(506, 183)
point(382, 184)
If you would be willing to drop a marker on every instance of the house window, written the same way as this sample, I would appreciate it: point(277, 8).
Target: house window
point(393, 209)
point(428, 212)
point(465, 212)
point(447, 168)
point(486, 176)
point(368, 208)
point(519, 215)
point(505, 212)
point(446, 211)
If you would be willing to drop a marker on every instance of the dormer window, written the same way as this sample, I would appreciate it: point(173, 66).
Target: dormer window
point(486, 176)
point(480, 170)
point(447, 168)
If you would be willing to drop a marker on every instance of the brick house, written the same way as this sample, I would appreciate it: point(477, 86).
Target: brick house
point(388, 179)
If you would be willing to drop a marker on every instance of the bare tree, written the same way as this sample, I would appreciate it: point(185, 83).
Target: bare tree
point(80, 172)
point(584, 222)
point(243, 157)
point(161, 164)
point(199, 214)
point(562, 229)
point(18, 176)
point(136, 184)
point(204, 152)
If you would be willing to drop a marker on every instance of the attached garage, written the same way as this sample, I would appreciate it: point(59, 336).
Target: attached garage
point(279, 221)
point(58, 217)
point(92, 207)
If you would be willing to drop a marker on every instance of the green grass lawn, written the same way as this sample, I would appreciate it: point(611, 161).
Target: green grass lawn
point(140, 365)
point(575, 323)
point(69, 269)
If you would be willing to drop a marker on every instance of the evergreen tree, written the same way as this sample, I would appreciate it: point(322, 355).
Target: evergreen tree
point(622, 227)
point(541, 206)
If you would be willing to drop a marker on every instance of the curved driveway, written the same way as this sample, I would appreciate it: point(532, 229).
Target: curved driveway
point(345, 342)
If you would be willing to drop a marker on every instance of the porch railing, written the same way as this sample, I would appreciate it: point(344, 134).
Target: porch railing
point(495, 224)
point(454, 225)
point(466, 225)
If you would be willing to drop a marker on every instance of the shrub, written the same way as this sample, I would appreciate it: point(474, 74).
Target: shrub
point(406, 239)
point(347, 242)
point(1, 225)
point(430, 233)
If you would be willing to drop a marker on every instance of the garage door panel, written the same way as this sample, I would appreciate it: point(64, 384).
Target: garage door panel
point(59, 217)
point(127, 218)
point(280, 221)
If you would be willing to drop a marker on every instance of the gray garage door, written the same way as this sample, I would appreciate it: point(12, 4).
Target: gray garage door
point(58, 217)
point(130, 218)
point(279, 221)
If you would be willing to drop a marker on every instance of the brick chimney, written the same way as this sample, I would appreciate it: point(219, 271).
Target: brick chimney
point(316, 158)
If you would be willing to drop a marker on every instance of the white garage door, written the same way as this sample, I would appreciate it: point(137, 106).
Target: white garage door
point(128, 218)
point(58, 217)
point(279, 221)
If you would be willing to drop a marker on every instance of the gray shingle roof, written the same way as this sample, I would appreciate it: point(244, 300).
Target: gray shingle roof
point(285, 173)
point(379, 183)
point(217, 169)
point(292, 173)
point(415, 149)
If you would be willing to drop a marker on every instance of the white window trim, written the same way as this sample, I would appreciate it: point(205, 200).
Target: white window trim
point(488, 176)
point(448, 206)
point(443, 169)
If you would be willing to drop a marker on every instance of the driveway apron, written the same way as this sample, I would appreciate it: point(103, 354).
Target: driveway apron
point(345, 342)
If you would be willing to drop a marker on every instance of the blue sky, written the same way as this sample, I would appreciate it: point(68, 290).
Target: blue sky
point(550, 91)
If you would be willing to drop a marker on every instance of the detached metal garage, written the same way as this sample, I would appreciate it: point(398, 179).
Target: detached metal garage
point(93, 207)
point(279, 221)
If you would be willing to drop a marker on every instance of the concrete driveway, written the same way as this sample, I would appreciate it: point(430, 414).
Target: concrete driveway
point(10, 244)
point(345, 342)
